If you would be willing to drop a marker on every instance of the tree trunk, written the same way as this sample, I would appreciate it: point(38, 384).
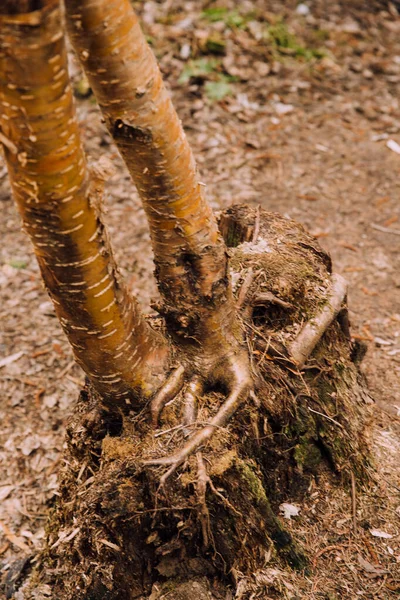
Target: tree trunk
point(189, 253)
point(60, 199)
point(116, 533)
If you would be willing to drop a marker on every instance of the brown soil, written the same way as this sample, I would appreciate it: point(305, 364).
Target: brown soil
point(306, 135)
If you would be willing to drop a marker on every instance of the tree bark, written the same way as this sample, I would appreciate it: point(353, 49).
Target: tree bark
point(60, 203)
point(190, 258)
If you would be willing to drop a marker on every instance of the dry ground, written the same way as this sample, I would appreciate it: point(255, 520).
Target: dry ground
point(297, 112)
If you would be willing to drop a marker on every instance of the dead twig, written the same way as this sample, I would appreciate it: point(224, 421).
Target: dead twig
point(326, 417)
point(385, 229)
point(268, 297)
point(324, 551)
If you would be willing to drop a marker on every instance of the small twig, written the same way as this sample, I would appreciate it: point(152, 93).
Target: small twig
point(66, 369)
point(324, 551)
point(326, 417)
point(268, 297)
point(79, 382)
point(38, 395)
point(353, 501)
point(110, 544)
point(165, 431)
point(385, 229)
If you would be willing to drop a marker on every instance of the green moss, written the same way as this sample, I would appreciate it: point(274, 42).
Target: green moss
point(307, 455)
point(253, 481)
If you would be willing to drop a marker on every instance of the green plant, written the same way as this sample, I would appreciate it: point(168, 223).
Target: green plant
point(285, 42)
point(218, 90)
point(217, 86)
point(231, 18)
point(198, 68)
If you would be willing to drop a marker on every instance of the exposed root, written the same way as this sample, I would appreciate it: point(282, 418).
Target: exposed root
point(170, 388)
point(240, 388)
point(244, 290)
point(202, 480)
point(264, 298)
point(217, 516)
point(313, 330)
point(193, 392)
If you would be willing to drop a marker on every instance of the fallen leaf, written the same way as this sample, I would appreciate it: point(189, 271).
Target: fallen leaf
point(380, 534)
point(394, 146)
point(370, 568)
point(7, 360)
point(283, 109)
point(14, 539)
point(289, 510)
point(5, 491)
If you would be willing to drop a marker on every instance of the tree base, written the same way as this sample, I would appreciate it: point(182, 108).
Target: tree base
point(116, 534)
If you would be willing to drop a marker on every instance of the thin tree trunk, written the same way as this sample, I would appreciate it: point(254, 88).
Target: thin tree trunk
point(190, 256)
point(60, 203)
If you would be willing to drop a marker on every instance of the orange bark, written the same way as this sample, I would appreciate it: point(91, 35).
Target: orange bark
point(190, 256)
point(59, 203)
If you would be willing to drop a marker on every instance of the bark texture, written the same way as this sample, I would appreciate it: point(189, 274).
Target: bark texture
point(60, 203)
point(190, 258)
point(117, 534)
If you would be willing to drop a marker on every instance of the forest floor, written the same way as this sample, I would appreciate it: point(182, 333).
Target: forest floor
point(296, 109)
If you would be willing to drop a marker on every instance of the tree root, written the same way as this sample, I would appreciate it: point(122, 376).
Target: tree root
point(304, 344)
point(170, 388)
point(240, 387)
point(299, 351)
point(217, 519)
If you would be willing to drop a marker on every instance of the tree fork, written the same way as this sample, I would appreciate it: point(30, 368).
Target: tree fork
point(190, 255)
point(59, 201)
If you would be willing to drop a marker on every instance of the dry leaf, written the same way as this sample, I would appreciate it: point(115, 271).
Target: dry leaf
point(370, 568)
point(380, 534)
point(7, 360)
point(5, 491)
point(14, 539)
point(289, 510)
